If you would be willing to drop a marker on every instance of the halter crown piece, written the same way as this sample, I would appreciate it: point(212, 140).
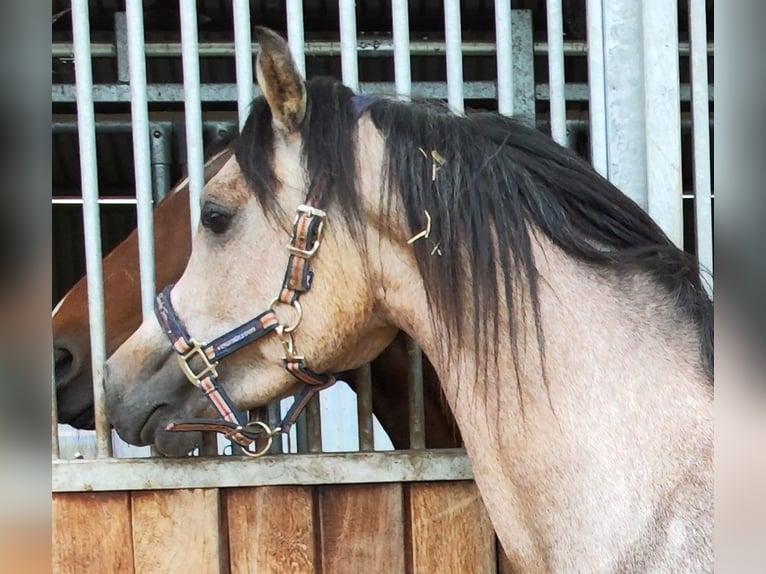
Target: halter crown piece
point(303, 246)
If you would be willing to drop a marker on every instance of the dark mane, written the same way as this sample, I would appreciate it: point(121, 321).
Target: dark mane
point(498, 180)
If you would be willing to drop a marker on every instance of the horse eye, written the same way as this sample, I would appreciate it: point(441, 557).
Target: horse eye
point(215, 219)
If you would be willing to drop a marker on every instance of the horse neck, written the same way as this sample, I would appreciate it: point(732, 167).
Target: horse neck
point(575, 461)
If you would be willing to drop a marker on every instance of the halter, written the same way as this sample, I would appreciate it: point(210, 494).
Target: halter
point(303, 246)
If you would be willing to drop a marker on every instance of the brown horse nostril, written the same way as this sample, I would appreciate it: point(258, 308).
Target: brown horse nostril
point(63, 361)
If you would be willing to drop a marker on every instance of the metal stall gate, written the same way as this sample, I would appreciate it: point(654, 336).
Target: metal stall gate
point(141, 89)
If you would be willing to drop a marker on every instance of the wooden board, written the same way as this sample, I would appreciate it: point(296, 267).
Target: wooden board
point(450, 530)
point(271, 529)
point(362, 529)
point(178, 531)
point(91, 533)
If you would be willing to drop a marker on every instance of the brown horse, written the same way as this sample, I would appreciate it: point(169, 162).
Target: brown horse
point(572, 339)
point(74, 387)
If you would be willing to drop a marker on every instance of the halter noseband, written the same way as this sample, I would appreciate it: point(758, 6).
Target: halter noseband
point(305, 241)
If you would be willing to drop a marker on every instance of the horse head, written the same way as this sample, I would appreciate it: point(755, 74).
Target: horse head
point(239, 260)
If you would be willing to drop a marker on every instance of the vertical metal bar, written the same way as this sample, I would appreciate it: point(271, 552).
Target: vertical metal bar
point(273, 414)
point(504, 57)
point(192, 108)
point(662, 109)
point(209, 446)
point(626, 130)
point(401, 26)
point(348, 57)
point(121, 45)
point(301, 433)
point(364, 407)
point(524, 102)
point(454, 52)
point(295, 34)
point(161, 160)
point(415, 400)
point(86, 129)
point(55, 451)
point(597, 86)
point(139, 109)
point(556, 79)
point(314, 425)
point(701, 134)
point(243, 50)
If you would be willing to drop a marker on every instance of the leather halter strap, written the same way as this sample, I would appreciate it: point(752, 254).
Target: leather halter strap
point(305, 241)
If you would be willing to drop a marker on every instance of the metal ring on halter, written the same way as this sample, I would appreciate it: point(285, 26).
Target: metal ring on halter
point(298, 313)
point(269, 434)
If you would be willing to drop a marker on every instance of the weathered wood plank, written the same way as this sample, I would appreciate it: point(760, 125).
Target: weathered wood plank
point(271, 529)
point(91, 533)
point(362, 528)
point(178, 531)
point(450, 530)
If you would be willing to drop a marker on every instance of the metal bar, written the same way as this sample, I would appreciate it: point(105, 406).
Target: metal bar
point(556, 81)
point(230, 471)
point(121, 46)
point(415, 402)
point(209, 446)
point(597, 86)
point(504, 57)
point(381, 46)
point(192, 108)
point(139, 112)
point(523, 67)
point(55, 451)
point(314, 425)
point(244, 59)
point(348, 42)
point(625, 128)
point(454, 52)
point(662, 111)
point(101, 201)
point(91, 219)
point(364, 407)
point(295, 34)
point(701, 136)
point(65, 93)
point(401, 44)
point(273, 419)
point(161, 161)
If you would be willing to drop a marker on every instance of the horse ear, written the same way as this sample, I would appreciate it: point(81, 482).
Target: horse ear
point(280, 81)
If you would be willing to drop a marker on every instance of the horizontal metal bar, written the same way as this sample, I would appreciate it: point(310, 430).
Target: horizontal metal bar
point(65, 93)
point(366, 47)
point(232, 471)
point(101, 201)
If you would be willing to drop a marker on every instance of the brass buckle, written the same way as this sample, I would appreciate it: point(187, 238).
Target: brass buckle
point(270, 433)
point(196, 350)
point(288, 344)
point(314, 212)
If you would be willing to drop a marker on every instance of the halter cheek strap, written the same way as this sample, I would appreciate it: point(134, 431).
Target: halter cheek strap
point(303, 246)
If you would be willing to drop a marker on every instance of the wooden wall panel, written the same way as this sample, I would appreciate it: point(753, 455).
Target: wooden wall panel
point(271, 529)
point(450, 529)
point(178, 531)
point(362, 529)
point(91, 533)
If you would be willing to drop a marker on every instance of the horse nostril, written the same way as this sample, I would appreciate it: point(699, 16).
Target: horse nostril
point(63, 361)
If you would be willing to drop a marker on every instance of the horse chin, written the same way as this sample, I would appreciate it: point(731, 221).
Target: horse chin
point(177, 443)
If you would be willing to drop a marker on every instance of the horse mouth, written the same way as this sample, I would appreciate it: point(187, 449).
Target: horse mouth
point(84, 420)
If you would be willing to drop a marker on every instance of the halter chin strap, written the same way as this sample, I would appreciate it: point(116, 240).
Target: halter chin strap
point(306, 239)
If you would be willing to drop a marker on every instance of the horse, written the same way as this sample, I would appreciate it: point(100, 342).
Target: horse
point(123, 315)
point(571, 338)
